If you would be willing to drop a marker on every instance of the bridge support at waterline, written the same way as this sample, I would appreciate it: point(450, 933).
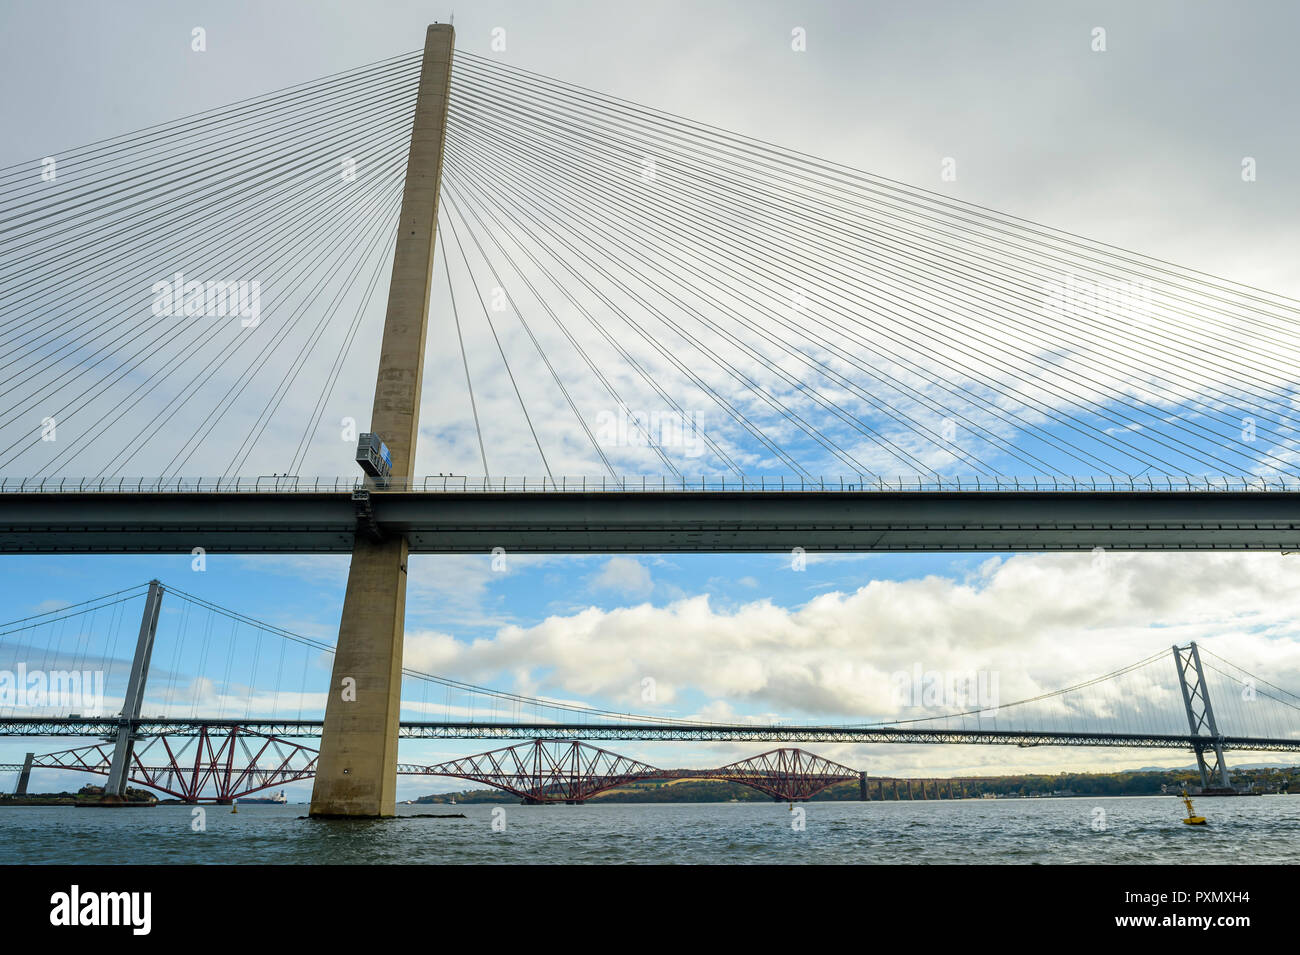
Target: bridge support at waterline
point(889, 789)
point(357, 772)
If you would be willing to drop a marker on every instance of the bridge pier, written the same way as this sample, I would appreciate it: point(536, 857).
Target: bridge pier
point(357, 770)
point(357, 773)
point(863, 794)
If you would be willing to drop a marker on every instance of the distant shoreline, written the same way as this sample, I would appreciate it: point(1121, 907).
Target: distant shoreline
point(1017, 786)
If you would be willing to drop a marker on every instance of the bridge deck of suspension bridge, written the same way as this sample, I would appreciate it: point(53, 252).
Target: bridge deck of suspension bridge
point(664, 731)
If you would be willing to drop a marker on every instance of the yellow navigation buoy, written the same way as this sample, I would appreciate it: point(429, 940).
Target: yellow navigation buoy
point(1192, 818)
point(234, 806)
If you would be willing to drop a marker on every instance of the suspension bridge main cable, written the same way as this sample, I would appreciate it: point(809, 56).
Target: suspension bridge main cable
point(1033, 699)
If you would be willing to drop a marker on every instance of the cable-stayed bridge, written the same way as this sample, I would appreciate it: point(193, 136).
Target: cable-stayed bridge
point(700, 325)
point(231, 696)
point(625, 300)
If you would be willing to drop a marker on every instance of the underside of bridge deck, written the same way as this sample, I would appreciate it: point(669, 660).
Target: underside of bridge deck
point(650, 522)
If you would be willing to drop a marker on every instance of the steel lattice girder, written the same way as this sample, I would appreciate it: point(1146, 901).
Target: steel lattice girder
point(543, 770)
point(203, 767)
point(787, 774)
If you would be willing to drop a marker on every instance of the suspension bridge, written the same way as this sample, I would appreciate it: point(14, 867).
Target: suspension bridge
point(616, 293)
point(215, 723)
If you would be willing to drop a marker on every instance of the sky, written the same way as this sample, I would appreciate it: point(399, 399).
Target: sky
point(1140, 146)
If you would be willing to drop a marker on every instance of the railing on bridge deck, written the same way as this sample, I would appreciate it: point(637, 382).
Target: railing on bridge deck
point(460, 484)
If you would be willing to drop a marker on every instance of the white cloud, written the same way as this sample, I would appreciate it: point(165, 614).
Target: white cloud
point(625, 575)
point(48, 606)
point(1041, 622)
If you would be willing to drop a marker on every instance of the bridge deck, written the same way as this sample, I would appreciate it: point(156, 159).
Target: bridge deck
point(650, 522)
point(84, 727)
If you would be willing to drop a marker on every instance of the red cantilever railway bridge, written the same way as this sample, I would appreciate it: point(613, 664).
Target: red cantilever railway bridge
point(543, 771)
point(225, 766)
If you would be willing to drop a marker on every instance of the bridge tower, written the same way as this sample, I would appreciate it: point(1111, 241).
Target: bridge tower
point(357, 770)
point(134, 699)
point(1200, 716)
point(25, 776)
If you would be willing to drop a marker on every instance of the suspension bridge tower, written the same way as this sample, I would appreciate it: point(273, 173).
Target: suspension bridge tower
point(357, 769)
point(1200, 719)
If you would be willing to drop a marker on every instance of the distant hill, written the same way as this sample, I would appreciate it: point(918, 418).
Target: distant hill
point(1140, 783)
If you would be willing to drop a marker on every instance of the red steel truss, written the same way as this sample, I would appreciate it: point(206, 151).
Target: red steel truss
point(790, 775)
point(543, 771)
point(210, 767)
point(222, 764)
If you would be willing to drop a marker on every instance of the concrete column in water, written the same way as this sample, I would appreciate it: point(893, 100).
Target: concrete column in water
point(357, 770)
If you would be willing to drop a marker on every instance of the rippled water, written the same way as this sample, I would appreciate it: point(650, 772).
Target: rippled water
point(1130, 830)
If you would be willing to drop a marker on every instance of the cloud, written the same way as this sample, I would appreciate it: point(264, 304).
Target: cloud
point(1041, 622)
point(48, 606)
point(625, 575)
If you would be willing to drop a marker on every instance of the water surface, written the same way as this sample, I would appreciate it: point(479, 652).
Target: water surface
point(1263, 829)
